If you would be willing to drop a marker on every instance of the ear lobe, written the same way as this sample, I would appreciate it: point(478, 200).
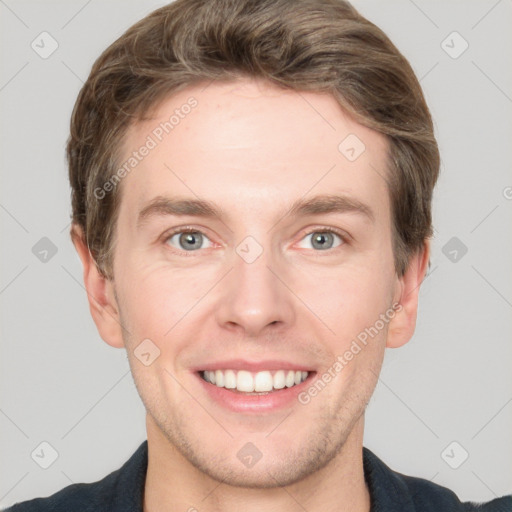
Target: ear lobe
point(401, 327)
point(100, 293)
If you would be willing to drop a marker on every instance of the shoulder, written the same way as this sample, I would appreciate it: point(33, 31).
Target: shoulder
point(430, 497)
point(391, 490)
point(120, 491)
point(75, 497)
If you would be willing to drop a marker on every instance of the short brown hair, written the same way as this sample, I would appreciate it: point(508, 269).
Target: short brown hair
point(304, 45)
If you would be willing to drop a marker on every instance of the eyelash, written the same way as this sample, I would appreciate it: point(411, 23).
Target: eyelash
point(188, 229)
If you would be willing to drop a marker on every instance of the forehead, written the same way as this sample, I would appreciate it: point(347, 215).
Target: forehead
point(251, 145)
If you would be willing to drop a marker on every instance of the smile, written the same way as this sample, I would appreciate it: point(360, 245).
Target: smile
point(254, 382)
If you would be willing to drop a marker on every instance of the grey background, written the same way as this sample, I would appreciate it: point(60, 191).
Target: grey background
point(60, 383)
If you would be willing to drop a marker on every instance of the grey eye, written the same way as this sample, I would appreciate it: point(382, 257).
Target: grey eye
point(189, 240)
point(322, 240)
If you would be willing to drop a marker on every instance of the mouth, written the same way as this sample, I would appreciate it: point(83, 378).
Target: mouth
point(254, 383)
point(256, 392)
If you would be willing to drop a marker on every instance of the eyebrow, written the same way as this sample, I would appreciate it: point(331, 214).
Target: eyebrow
point(317, 205)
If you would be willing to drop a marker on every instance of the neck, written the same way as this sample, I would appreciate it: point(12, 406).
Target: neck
point(173, 483)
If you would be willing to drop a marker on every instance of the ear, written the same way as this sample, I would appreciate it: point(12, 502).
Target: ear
point(401, 327)
point(100, 293)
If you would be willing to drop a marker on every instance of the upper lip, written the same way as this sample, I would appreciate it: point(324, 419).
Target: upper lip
point(253, 366)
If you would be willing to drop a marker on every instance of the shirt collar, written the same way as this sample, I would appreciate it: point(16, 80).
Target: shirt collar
point(388, 492)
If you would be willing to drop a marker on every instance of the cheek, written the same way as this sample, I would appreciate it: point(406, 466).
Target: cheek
point(157, 297)
point(347, 298)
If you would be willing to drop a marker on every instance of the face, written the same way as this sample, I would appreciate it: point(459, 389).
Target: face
point(252, 282)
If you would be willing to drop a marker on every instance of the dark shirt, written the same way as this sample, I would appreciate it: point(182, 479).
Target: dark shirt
point(122, 491)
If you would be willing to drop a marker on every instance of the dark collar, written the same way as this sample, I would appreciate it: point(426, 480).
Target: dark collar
point(387, 490)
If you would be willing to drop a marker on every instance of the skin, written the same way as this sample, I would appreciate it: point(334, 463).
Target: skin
point(254, 149)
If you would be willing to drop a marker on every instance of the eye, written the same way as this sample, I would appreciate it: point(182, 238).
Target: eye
point(187, 239)
point(190, 239)
point(322, 239)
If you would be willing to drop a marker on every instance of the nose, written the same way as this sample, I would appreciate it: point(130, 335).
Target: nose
point(255, 296)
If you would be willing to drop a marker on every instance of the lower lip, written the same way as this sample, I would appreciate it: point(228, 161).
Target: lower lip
point(270, 402)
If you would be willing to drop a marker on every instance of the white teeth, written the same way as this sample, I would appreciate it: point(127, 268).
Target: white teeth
point(244, 381)
point(279, 380)
point(263, 382)
point(229, 379)
point(258, 382)
point(219, 378)
point(290, 379)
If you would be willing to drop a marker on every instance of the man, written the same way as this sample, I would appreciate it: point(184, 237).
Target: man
point(252, 186)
